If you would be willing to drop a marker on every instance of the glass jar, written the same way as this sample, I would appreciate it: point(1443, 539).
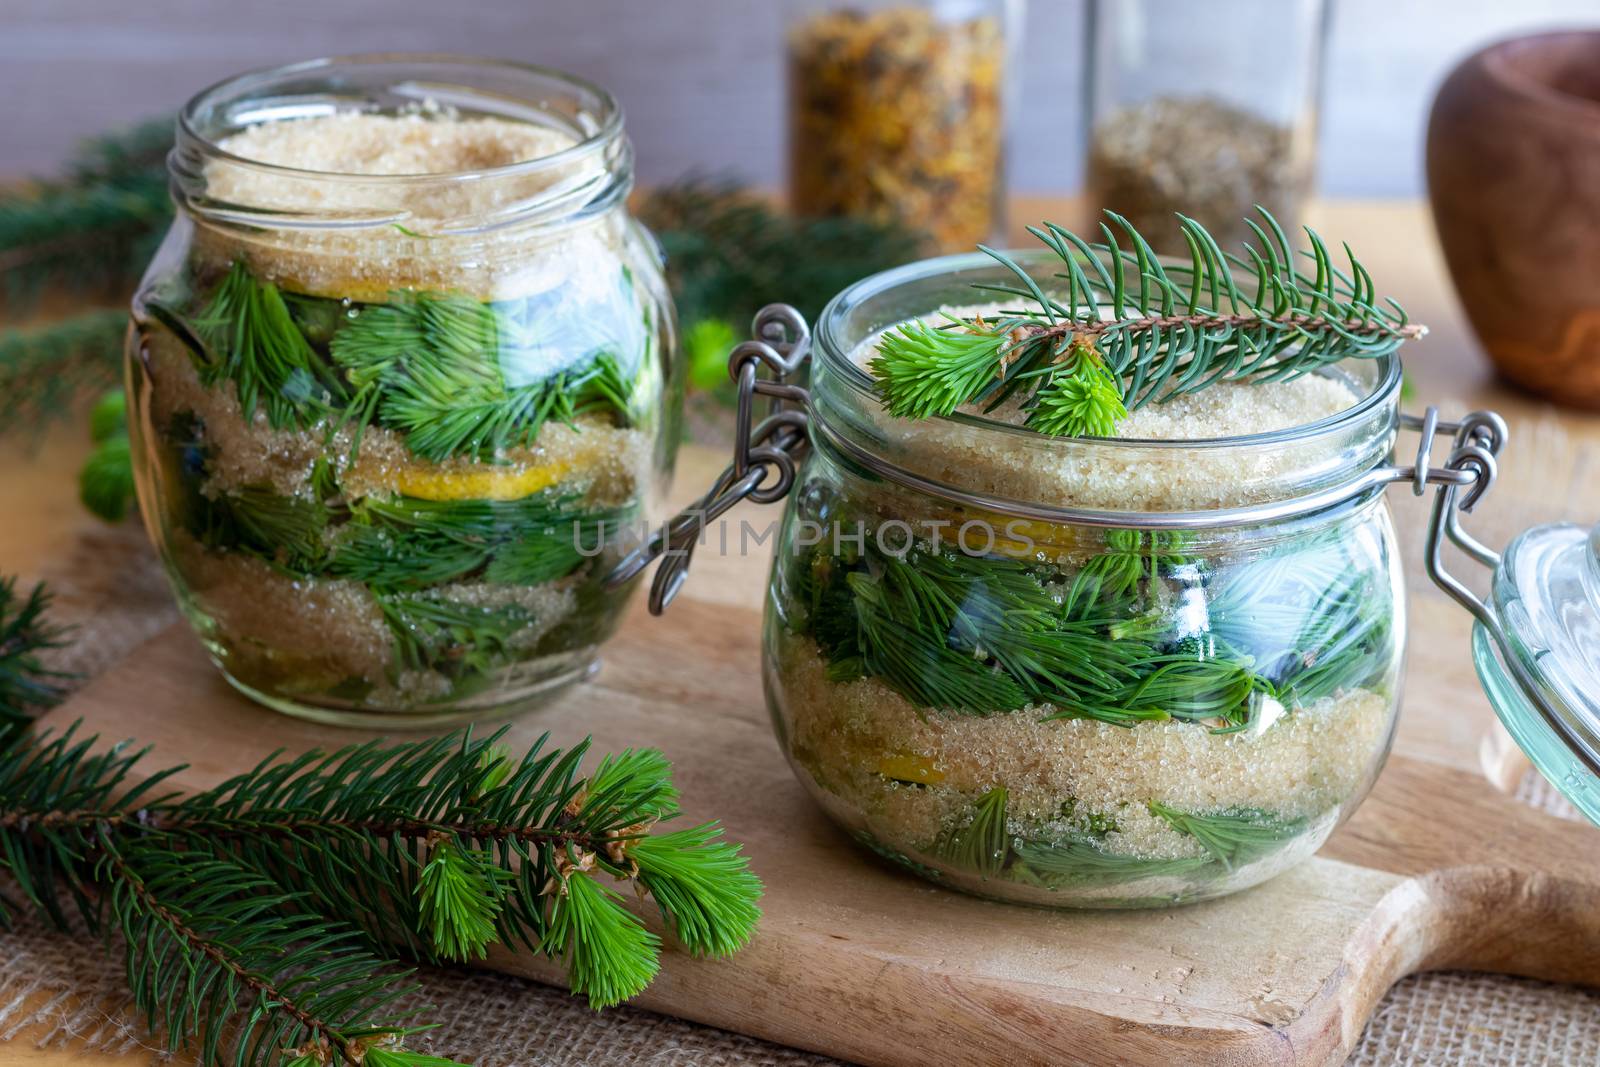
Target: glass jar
point(897, 113)
point(998, 658)
point(400, 362)
point(1204, 109)
point(1113, 672)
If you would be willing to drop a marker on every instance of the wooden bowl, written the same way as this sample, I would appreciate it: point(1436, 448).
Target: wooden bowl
point(1514, 178)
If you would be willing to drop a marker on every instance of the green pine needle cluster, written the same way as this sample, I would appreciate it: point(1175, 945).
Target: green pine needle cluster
point(253, 341)
point(432, 366)
point(261, 917)
point(987, 846)
point(1117, 328)
point(27, 685)
point(984, 634)
point(89, 233)
point(45, 368)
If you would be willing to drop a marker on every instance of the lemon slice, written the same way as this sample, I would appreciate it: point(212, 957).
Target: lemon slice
point(511, 483)
point(918, 770)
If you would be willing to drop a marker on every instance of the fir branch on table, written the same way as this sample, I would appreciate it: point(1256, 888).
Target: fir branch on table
point(26, 684)
point(45, 368)
point(219, 957)
point(94, 228)
point(1117, 328)
point(260, 917)
point(730, 252)
point(261, 912)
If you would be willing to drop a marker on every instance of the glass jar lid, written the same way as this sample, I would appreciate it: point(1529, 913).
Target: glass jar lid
point(1543, 678)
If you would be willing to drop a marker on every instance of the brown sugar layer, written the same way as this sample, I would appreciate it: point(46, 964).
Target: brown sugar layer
point(311, 634)
point(411, 226)
point(848, 735)
point(983, 459)
point(285, 632)
point(361, 143)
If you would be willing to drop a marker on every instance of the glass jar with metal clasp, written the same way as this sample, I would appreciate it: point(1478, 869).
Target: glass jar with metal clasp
point(1263, 652)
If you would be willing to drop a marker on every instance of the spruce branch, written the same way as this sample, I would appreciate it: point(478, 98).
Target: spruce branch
point(218, 957)
point(89, 237)
point(26, 684)
point(434, 847)
point(1118, 328)
point(44, 368)
point(730, 252)
point(95, 227)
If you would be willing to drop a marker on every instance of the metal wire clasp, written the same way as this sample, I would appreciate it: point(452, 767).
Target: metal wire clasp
point(766, 454)
point(1478, 440)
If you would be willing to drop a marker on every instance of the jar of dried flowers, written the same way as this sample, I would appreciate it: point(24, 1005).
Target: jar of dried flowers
point(897, 112)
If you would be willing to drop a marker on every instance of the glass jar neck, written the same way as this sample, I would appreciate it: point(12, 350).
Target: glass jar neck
point(589, 172)
point(1007, 468)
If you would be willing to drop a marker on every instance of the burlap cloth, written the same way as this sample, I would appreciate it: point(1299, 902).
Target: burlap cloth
point(60, 991)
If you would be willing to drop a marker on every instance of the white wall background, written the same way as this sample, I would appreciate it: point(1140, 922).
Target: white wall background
point(700, 79)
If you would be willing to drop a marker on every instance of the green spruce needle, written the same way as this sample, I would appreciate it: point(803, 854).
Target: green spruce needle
point(27, 685)
point(706, 891)
point(432, 365)
point(610, 956)
point(1079, 398)
point(261, 916)
point(1233, 838)
point(459, 895)
point(254, 342)
point(983, 845)
point(1160, 329)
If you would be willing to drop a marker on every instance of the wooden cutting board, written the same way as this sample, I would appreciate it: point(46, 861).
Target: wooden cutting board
point(858, 960)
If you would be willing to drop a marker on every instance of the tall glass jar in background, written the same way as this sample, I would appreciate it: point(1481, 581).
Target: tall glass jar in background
point(1208, 109)
point(897, 112)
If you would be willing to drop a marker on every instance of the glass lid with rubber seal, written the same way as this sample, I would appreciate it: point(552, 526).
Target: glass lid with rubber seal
point(1543, 677)
point(1536, 644)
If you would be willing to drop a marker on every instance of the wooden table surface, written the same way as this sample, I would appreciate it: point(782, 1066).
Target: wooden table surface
point(1396, 243)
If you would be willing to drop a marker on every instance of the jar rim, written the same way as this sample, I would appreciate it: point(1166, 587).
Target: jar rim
point(608, 128)
point(834, 353)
